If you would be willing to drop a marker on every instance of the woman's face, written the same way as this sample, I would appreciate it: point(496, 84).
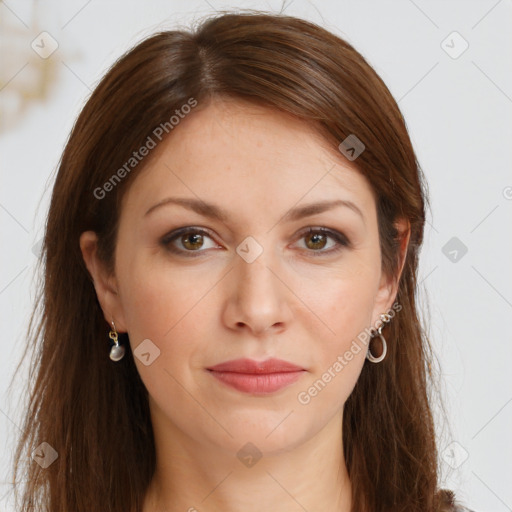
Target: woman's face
point(249, 282)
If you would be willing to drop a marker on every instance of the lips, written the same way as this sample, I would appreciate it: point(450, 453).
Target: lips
point(257, 377)
point(256, 367)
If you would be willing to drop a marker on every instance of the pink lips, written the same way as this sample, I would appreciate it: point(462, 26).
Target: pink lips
point(255, 377)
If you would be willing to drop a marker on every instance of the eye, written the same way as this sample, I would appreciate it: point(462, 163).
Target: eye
point(316, 240)
point(191, 240)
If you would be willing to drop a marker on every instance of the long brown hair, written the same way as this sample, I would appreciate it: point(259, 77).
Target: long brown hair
point(94, 413)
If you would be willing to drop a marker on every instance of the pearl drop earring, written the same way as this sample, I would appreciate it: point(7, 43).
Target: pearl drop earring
point(117, 351)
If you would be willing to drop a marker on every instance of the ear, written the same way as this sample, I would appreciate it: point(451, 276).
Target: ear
point(104, 284)
point(388, 287)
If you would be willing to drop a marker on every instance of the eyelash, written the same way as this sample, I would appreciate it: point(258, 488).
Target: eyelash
point(340, 238)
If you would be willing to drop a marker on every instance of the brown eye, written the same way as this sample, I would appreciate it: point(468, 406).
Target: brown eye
point(192, 241)
point(188, 240)
point(316, 239)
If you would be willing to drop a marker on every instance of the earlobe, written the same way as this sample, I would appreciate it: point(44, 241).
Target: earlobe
point(104, 284)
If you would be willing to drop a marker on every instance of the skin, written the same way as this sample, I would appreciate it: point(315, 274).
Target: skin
point(288, 303)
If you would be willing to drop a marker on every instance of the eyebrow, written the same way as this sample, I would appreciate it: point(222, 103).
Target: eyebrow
point(215, 212)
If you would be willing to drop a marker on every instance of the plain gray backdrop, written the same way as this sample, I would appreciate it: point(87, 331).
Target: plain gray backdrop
point(457, 103)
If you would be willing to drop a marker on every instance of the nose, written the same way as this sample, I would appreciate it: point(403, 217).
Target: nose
point(258, 299)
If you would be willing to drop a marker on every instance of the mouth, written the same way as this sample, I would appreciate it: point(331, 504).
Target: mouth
point(254, 377)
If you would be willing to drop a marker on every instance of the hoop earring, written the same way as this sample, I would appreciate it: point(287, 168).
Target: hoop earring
point(385, 319)
point(117, 351)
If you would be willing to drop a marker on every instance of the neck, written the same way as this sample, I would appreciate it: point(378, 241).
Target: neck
point(196, 477)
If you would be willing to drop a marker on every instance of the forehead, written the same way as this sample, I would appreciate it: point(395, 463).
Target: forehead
point(238, 152)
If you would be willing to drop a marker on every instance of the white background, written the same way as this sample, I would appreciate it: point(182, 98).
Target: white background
point(458, 112)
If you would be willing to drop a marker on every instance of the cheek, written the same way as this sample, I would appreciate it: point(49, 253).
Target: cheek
point(164, 305)
point(158, 309)
point(148, 306)
point(349, 311)
point(344, 303)
point(156, 297)
point(340, 353)
point(343, 300)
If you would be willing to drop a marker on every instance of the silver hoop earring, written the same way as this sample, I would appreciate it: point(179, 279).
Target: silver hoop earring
point(385, 319)
point(117, 351)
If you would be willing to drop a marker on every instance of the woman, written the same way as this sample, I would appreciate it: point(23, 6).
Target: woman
point(229, 303)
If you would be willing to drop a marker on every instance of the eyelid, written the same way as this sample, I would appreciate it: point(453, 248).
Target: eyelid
point(339, 237)
point(342, 241)
point(333, 233)
point(177, 233)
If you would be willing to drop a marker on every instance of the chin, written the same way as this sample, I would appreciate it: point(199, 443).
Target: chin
point(269, 434)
